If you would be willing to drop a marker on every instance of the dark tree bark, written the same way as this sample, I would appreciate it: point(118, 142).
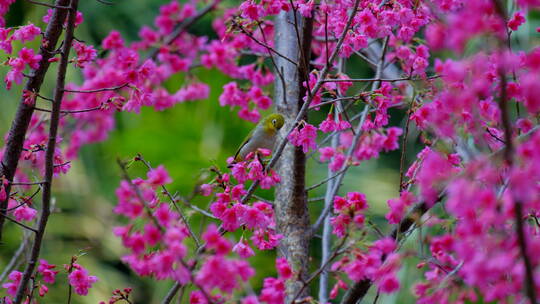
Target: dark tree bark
point(19, 127)
point(49, 154)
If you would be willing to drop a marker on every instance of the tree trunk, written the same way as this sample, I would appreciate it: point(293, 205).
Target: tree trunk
point(292, 215)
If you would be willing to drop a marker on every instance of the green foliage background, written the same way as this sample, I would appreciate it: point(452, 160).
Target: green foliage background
point(187, 139)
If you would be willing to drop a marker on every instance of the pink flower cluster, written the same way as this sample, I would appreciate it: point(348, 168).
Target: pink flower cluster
point(18, 64)
point(258, 217)
point(253, 170)
point(349, 211)
point(15, 279)
point(379, 264)
point(45, 274)
point(305, 137)
point(398, 207)
point(80, 280)
point(23, 34)
point(330, 124)
point(370, 146)
point(4, 8)
point(159, 250)
point(234, 96)
point(273, 291)
point(22, 211)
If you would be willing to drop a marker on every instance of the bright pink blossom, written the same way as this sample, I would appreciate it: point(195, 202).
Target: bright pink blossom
point(304, 137)
point(80, 280)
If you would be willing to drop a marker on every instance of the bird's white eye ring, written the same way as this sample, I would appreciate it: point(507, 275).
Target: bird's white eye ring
point(274, 122)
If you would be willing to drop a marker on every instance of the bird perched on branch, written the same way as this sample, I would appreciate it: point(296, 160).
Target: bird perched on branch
point(263, 136)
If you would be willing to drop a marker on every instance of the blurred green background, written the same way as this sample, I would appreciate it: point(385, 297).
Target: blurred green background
point(187, 139)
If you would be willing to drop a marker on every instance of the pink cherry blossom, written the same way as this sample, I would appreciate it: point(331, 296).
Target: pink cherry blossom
point(80, 280)
point(304, 137)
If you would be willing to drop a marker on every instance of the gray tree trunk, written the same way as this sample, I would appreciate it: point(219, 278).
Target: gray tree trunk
point(292, 215)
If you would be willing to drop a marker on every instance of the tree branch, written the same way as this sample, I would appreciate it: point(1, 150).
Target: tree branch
point(49, 154)
point(19, 126)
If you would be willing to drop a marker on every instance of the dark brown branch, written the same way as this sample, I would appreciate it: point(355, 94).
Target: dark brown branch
point(48, 5)
point(171, 293)
point(530, 285)
point(19, 126)
point(324, 181)
point(18, 223)
point(404, 147)
point(98, 90)
point(100, 107)
point(49, 154)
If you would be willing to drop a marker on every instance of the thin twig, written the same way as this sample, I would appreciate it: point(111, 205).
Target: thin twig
point(100, 107)
point(265, 45)
point(354, 98)
point(404, 147)
point(48, 5)
point(14, 221)
point(115, 88)
point(356, 138)
point(15, 259)
point(25, 200)
point(324, 181)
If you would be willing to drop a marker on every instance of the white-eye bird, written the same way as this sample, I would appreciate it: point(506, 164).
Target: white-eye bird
point(263, 136)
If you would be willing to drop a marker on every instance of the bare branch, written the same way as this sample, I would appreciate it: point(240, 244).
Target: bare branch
point(3, 215)
point(49, 5)
point(100, 107)
point(98, 90)
point(15, 259)
point(324, 181)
